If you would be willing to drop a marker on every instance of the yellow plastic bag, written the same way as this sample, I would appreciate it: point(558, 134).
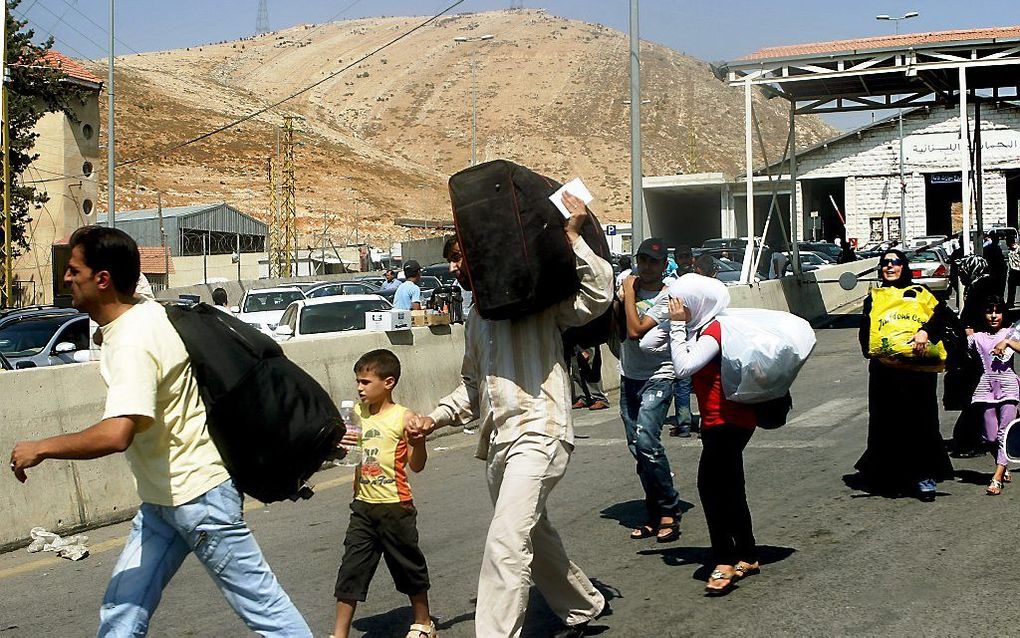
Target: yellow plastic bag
point(896, 316)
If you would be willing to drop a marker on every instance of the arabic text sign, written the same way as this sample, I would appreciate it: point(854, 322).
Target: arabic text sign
point(943, 149)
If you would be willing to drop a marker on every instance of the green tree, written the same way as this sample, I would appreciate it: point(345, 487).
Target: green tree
point(35, 87)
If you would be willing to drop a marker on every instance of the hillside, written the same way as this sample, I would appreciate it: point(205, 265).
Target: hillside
point(380, 140)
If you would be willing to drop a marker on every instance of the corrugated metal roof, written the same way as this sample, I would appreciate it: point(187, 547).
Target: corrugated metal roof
point(905, 40)
point(143, 225)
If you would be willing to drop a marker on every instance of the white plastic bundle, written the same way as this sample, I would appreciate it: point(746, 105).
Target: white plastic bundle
point(762, 352)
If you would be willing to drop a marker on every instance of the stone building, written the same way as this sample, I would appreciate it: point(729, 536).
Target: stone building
point(69, 151)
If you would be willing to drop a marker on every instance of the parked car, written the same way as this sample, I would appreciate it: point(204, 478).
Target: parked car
point(927, 240)
point(40, 338)
point(5, 365)
point(262, 308)
point(375, 280)
point(828, 252)
point(327, 315)
point(441, 272)
point(808, 261)
point(334, 288)
point(7, 315)
point(303, 286)
point(736, 256)
point(928, 267)
point(729, 242)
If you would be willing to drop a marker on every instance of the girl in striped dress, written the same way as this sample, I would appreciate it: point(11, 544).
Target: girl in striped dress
point(998, 390)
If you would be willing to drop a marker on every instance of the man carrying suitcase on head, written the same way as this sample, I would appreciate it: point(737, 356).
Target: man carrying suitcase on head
point(155, 415)
point(515, 381)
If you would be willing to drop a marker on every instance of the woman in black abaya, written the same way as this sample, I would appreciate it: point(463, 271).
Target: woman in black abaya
point(905, 452)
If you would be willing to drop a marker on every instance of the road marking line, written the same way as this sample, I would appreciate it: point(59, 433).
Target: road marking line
point(821, 416)
point(249, 506)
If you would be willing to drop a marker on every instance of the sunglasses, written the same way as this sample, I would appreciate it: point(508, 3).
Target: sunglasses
point(891, 262)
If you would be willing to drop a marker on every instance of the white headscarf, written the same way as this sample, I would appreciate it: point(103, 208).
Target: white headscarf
point(704, 297)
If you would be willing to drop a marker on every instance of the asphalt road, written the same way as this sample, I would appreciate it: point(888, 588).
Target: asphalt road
point(837, 562)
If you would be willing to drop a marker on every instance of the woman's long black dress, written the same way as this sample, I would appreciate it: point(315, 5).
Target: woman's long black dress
point(904, 441)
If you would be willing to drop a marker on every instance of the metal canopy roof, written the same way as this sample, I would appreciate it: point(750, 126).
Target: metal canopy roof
point(886, 72)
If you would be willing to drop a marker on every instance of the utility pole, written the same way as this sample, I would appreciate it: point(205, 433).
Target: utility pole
point(474, 94)
point(903, 183)
point(110, 157)
point(162, 236)
point(288, 209)
point(275, 258)
point(6, 132)
point(637, 210)
point(262, 21)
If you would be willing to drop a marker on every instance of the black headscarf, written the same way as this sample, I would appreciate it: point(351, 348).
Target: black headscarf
point(906, 276)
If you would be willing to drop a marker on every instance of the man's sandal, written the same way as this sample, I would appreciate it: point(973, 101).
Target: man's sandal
point(742, 570)
point(719, 590)
point(672, 532)
point(994, 488)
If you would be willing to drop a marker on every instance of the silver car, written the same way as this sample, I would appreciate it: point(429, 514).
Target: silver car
point(929, 267)
point(45, 339)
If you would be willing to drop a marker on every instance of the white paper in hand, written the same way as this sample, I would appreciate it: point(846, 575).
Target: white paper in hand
point(576, 188)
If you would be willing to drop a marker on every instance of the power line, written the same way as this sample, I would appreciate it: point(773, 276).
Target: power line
point(258, 112)
point(101, 28)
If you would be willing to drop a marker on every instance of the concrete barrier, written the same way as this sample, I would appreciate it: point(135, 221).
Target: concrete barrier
point(64, 496)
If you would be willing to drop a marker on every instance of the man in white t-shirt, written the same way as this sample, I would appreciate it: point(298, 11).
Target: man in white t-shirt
point(155, 416)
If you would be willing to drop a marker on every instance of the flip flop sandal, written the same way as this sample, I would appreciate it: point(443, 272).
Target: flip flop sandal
point(672, 535)
point(1007, 477)
point(741, 572)
point(994, 488)
point(719, 591)
point(643, 532)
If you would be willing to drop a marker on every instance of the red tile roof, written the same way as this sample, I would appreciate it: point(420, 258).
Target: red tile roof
point(154, 260)
point(884, 42)
point(71, 67)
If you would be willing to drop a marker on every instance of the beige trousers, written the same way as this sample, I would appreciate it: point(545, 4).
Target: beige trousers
point(522, 545)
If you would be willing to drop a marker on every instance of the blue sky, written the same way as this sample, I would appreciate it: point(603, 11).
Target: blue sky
point(710, 30)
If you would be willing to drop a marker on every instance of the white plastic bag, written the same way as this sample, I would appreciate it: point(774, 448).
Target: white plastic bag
point(762, 352)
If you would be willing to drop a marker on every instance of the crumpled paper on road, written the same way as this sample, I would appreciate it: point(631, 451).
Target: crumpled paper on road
point(71, 548)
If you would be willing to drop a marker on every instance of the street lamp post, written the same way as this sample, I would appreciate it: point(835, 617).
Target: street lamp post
point(474, 94)
point(637, 209)
point(903, 184)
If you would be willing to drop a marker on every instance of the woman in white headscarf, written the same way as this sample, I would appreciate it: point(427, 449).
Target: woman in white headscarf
point(726, 427)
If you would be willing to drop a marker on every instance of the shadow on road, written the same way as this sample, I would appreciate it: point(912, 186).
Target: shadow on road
point(680, 556)
point(630, 514)
point(540, 620)
point(974, 477)
point(837, 322)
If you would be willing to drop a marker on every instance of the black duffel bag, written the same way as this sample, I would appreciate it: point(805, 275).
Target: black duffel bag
point(515, 249)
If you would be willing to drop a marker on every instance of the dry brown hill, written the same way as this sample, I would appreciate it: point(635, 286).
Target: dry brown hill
point(380, 140)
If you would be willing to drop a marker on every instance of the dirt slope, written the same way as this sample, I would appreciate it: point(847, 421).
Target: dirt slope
point(380, 140)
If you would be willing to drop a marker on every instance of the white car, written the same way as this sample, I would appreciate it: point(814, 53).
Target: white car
point(327, 315)
point(262, 308)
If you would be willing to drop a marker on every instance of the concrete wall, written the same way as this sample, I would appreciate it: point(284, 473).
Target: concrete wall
point(64, 495)
point(425, 251)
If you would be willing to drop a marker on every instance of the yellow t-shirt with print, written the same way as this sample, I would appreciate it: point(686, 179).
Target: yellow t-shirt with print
point(381, 476)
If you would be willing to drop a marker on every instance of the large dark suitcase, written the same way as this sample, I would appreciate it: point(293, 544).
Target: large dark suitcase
point(515, 250)
point(272, 423)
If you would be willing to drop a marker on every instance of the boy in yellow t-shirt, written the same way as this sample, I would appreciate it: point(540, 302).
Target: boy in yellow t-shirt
point(382, 513)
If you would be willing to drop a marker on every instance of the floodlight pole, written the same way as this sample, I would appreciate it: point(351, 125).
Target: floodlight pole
point(965, 161)
point(903, 183)
point(637, 209)
point(745, 271)
point(111, 212)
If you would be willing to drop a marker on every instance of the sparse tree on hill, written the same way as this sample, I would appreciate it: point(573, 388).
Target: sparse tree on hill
point(34, 89)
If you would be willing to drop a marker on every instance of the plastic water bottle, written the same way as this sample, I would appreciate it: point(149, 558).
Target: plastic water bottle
point(353, 427)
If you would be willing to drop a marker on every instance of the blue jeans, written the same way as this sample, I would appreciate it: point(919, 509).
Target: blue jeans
point(212, 526)
point(643, 408)
point(682, 401)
